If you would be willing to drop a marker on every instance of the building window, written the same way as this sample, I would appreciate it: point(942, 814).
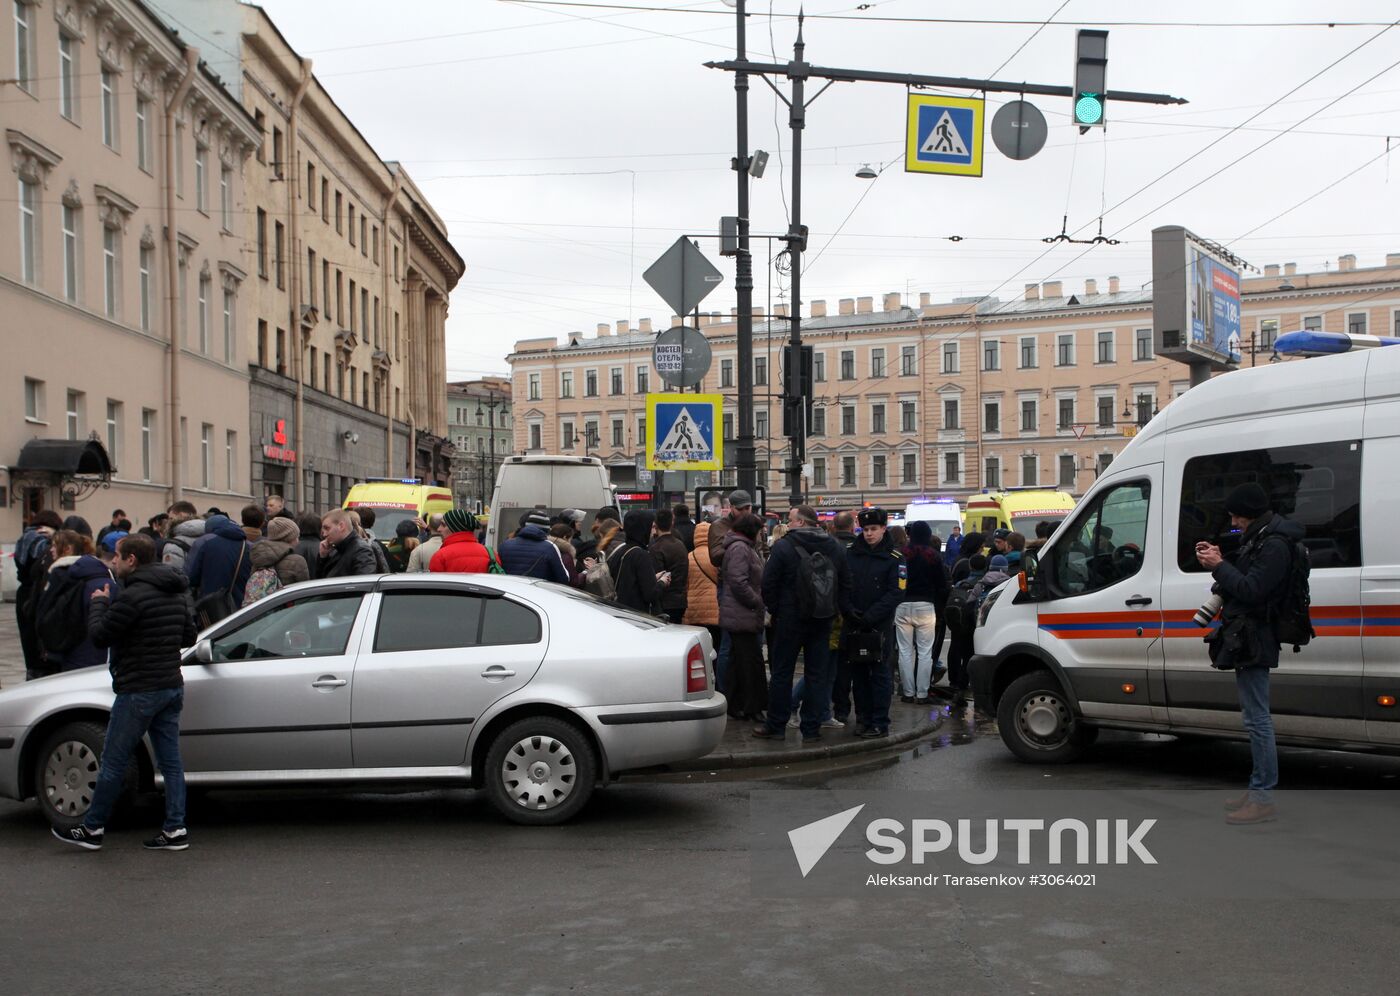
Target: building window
point(1143, 349)
point(727, 426)
point(262, 243)
point(950, 413)
point(202, 313)
point(534, 387)
point(309, 374)
point(109, 109)
point(877, 471)
point(325, 199)
point(950, 357)
point(114, 421)
point(375, 243)
point(260, 119)
point(1105, 405)
point(818, 421)
point(1103, 463)
point(760, 424)
point(641, 431)
point(848, 472)
point(1030, 421)
point(590, 434)
point(566, 433)
point(908, 417)
point(952, 468)
point(1312, 323)
point(201, 169)
point(70, 253)
point(991, 474)
point(1028, 357)
point(726, 373)
point(326, 289)
point(1105, 345)
point(760, 371)
point(848, 364)
point(991, 417)
point(148, 432)
point(230, 459)
point(24, 46)
point(111, 247)
point(73, 413)
point(1268, 333)
point(277, 154)
point(339, 213)
point(991, 355)
point(1030, 475)
point(819, 368)
point(643, 380)
point(910, 471)
point(617, 433)
point(311, 187)
point(908, 363)
point(350, 223)
point(179, 160)
point(1066, 414)
point(364, 311)
point(848, 420)
point(326, 373)
point(877, 419)
point(590, 383)
point(1144, 408)
point(206, 455)
point(1067, 471)
point(566, 384)
point(262, 346)
point(143, 133)
point(281, 342)
point(1064, 350)
point(819, 472)
point(1356, 323)
point(340, 299)
point(145, 259)
point(226, 198)
point(33, 399)
point(279, 250)
point(67, 91)
point(877, 363)
point(228, 326)
point(28, 231)
point(364, 241)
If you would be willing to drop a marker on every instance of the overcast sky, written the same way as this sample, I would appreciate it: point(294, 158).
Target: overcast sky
point(567, 146)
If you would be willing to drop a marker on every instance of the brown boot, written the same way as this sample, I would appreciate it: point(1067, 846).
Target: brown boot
point(1236, 802)
point(1251, 812)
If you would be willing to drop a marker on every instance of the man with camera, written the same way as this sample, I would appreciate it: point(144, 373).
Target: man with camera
point(1251, 591)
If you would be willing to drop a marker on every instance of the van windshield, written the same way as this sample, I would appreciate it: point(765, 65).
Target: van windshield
point(386, 520)
point(1025, 524)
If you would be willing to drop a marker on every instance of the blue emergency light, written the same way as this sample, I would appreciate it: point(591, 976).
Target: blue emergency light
point(1309, 343)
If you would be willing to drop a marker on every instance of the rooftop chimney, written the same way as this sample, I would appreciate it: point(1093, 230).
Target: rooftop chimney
point(603, 329)
point(818, 309)
point(644, 325)
point(848, 306)
point(780, 310)
point(1346, 263)
point(865, 305)
point(892, 302)
point(622, 326)
point(1113, 285)
point(1392, 259)
point(757, 311)
point(1271, 270)
point(675, 320)
point(1289, 269)
point(1032, 292)
point(1051, 288)
point(1091, 286)
point(924, 298)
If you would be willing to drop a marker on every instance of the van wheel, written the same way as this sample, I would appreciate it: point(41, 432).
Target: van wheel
point(65, 773)
point(1037, 723)
point(540, 771)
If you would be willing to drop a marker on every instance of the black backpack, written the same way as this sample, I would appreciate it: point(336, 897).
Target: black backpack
point(960, 614)
point(1292, 617)
point(61, 622)
point(816, 583)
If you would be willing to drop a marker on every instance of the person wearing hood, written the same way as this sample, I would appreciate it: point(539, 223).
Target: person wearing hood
point(684, 527)
point(918, 622)
point(638, 583)
point(309, 541)
point(460, 553)
point(960, 641)
point(145, 626)
point(971, 546)
point(671, 557)
point(32, 557)
point(278, 552)
point(64, 640)
point(702, 592)
point(400, 551)
point(1251, 589)
point(796, 633)
point(220, 561)
point(183, 527)
point(529, 553)
point(878, 578)
point(741, 615)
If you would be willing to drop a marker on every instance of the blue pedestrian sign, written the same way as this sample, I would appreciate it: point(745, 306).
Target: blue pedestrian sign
point(684, 432)
point(944, 135)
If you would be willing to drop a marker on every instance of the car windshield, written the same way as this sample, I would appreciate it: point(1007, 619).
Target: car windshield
point(1025, 525)
point(639, 619)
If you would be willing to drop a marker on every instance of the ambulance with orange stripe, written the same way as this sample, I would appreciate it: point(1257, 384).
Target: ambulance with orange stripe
point(1102, 635)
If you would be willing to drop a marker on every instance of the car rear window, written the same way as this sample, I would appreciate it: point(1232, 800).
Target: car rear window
point(639, 619)
point(442, 620)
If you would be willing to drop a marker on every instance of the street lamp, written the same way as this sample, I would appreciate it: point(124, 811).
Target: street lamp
point(491, 404)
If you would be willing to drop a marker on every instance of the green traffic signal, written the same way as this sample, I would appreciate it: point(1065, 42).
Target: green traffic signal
point(1088, 109)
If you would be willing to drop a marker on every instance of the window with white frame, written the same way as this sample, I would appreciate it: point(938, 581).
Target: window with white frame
point(1067, 471)
point(1104, 459)
point(877, 363)
point(991, 417)
point(114, 430)
point(617, 433)
point(819, 472)
point(1268, 333)
point(28, 231)
point(1065, 420)
point(877, 419)
point(67, 82)
point(1028, 357)
point(145, 260)
point(848, 472)
point(1030, 470)
point(69, 219)
point(229, 329)
point(1143, 348)
point(202, 310)
point(643, 380)
point(950, 413)
point(908, 361)
point(848, 420)
point(1104, 344)
point(1064, 350)
point(952, 468)
point(1105, 410)
point(760, 423)
point(848, 364)
point(991, 355)
point(206, 455)
point(201, 180)
point(950, 357)
point(1312, 323)
point(641, 431)
point(615, 381)
point(909, 469)
point(111, 271)
point(108, 85)
point(818, 420)
point(908, 416)
point(33, 399)
point(591, 438)
point(534, 387)
point(727, 424)
point(1030, 417)
point(1145, 403)
point(760, 371)
point(566, 384)
point(991, 472)
point(148, 440)
point(536, 431)
point(819, 368)
point(73, 414)
point(590, 383)
point(1356, 323)
point(226, 203)
point(877, 470)
point(231, 459)
point(566, 434)
point(24, 46)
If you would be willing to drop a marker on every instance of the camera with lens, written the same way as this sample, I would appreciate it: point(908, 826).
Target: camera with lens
point(1208, 611)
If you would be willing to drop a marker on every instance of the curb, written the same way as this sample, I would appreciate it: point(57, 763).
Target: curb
point(747, 759)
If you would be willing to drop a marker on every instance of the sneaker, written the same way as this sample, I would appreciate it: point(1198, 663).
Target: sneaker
point(873, 733)
point(939, 670)
point(833, 724)
point(80, 836)
point(1251, 812)
point(1236, 802)
point(907, 699)
point(764, 733)
point(169, 840)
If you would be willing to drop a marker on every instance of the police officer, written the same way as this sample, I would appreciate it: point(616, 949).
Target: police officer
point(878, 577)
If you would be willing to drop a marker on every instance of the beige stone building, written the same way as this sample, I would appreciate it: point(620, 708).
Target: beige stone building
point(479, 425)
point(350, 274)
point(123, 273)
point(942, 398)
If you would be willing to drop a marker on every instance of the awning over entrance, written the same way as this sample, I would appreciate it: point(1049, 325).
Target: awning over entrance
point(67, 457)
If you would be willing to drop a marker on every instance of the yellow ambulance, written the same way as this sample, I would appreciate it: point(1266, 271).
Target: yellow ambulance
point(1016, 508)
point(397, 499)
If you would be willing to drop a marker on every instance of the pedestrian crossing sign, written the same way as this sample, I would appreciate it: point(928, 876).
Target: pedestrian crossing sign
point(685, 432)
point(944, 135)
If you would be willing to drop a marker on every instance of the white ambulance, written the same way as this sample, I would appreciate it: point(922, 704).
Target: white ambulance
point(1102, 635)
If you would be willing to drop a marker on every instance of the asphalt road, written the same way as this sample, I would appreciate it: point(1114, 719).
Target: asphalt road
point(648, 891)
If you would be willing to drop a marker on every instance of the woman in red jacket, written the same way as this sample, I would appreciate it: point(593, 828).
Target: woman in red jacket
point(460, 552)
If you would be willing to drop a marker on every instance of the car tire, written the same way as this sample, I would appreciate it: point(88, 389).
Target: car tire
point(1037, 722)
point(540, 771)
point(65, 773)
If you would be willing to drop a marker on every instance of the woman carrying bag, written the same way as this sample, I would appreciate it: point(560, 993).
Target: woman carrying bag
point(633, 571)
point(741, 615)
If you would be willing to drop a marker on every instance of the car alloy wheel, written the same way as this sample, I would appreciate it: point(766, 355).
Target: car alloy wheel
point(539, 773)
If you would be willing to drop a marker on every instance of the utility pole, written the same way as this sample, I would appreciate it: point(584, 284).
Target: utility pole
point(743, 268)
point(797, 72)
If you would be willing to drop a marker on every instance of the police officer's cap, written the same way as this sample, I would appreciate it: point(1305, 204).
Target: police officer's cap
point(873, 517)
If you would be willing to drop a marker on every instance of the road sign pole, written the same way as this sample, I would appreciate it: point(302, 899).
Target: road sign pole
point(743, 269)
point(792, 387)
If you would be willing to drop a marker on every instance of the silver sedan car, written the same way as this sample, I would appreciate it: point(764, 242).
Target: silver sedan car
point(523, 688)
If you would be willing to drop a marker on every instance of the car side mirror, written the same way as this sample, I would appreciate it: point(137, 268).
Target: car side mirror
point(204, 651)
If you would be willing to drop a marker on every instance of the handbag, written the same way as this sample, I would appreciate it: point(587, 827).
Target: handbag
point(864, 646)
point(219, 605)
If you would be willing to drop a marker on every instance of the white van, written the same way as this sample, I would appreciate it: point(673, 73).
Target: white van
point(550, 484)
point(942, 514)
point(1102, 634)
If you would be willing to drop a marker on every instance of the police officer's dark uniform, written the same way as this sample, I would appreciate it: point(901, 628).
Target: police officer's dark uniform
point(878, 577)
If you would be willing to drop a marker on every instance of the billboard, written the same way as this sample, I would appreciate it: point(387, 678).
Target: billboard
point(1195, 299)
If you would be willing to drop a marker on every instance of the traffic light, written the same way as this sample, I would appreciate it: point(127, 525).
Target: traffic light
point(1090, 78)
point(801, 399)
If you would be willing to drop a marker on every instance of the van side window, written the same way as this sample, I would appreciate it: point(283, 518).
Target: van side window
point(1317, 485)
point(1105, 543)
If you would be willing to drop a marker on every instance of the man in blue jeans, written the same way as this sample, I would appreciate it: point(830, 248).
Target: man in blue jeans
point(146, 625)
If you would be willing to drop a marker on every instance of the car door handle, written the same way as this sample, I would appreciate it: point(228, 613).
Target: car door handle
point(1138, 600)
point(329, 681)
point(496, 671)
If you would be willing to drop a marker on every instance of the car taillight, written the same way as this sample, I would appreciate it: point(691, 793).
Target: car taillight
point(695, 678)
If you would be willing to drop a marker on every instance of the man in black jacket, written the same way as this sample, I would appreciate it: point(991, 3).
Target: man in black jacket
point(878, 576)
point(145, 626)
point(343, 554)
point(684, 527)
point(1247, 641)
point(670, 556)
point(795, 633)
